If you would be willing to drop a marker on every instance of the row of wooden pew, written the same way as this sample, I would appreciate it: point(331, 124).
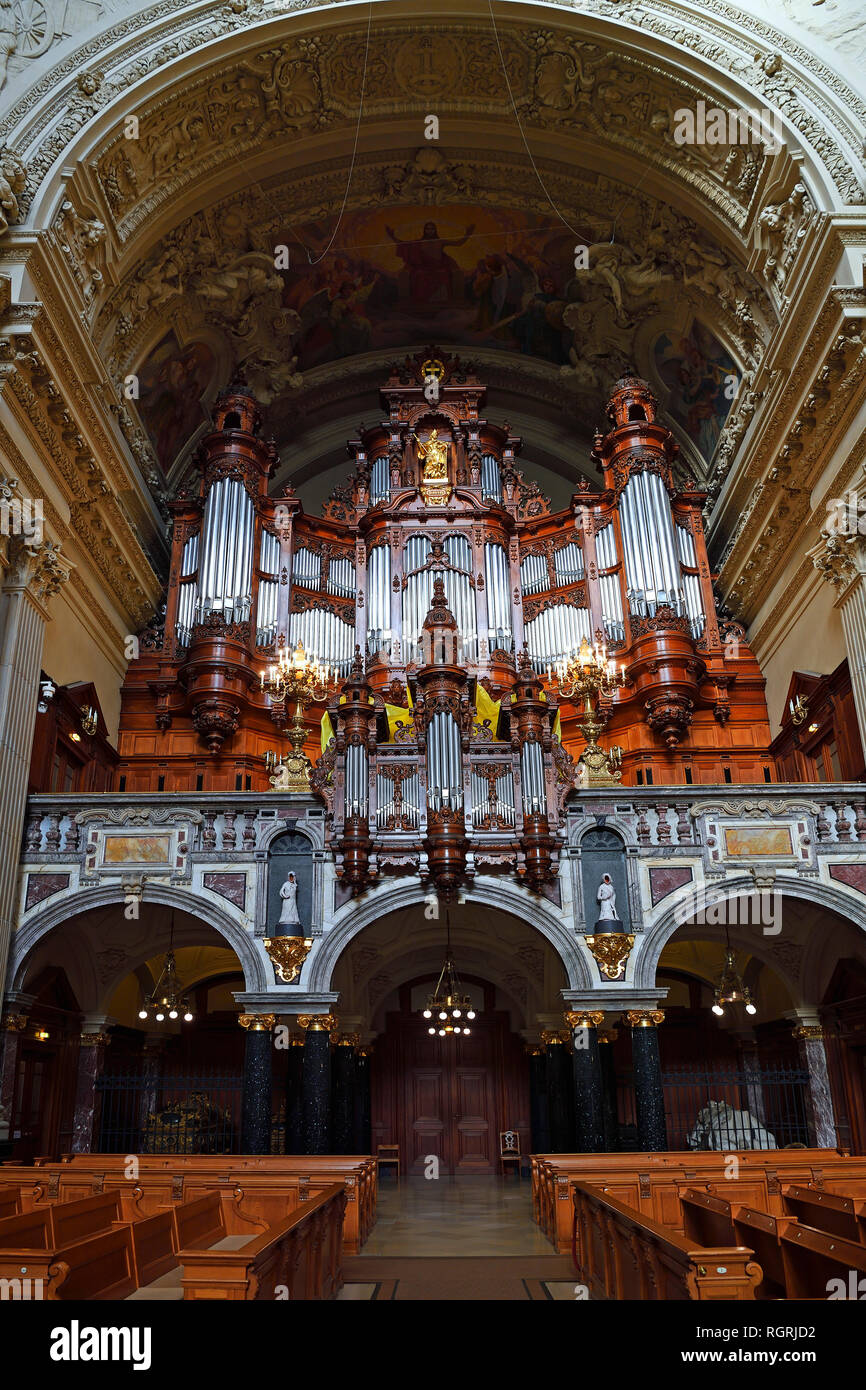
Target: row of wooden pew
point(650, 1184)
point(101, 1247)
point(263, 1189)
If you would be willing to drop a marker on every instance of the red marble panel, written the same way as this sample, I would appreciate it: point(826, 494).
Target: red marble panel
point(42, 886)
point(852, 874)
point(666, 880)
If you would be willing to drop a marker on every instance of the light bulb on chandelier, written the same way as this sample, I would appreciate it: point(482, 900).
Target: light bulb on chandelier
point(448, 1001)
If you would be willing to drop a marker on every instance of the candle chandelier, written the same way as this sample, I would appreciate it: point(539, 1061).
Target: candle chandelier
point(296, 676)
point(167, 999)
point(448, 1007)
point(590, 675)
point(730, 988)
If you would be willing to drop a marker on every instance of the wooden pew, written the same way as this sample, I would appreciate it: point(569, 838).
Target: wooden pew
point(300, 1258)
point(624, 1255)
point(100, 1267)
point(10, 1201)
point(764, 1233)
point(840, 1216)
point(61, 1223)
point(707, 1219)
point(812, 1258)
point(198, 1225)
point(29, 1230)
point(154, 1246)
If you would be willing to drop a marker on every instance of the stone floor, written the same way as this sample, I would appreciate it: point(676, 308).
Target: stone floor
point(455, 1217)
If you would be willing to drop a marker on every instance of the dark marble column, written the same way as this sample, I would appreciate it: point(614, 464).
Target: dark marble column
point(560, 1093)
point(539, 1137)
point(813, 1058)
point(258, 1073)
point(362, 1138)
point(294, 1102)
point(85, 1121)
point(343, 1095)
point(648, 1092)
point(586, 1079)
point(14, 1025)
point(316, 1084)
point(606, 1039)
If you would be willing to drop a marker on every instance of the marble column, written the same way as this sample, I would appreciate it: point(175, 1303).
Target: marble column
point(648, 1091)
point(841, 559)
point(316, 1083)
point(343, 1094)
point(821, 1118)
point(560, 1092)
point(294, 1104)
point(91, 1061)
point(258, 1074)
point(610, 1115)
point(152, 1059)
point(750, 1066)
point(539, 1136)
point(586, 1078)
point(14, 1025)
point(34, 572)
point(362, 1138)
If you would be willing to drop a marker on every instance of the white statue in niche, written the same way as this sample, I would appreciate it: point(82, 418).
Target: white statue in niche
point(289, 894)
point(606, 899)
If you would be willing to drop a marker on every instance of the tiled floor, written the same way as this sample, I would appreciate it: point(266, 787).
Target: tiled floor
point(456, 1217)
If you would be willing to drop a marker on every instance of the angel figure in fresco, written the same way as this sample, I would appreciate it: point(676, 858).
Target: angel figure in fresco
point(432, 275)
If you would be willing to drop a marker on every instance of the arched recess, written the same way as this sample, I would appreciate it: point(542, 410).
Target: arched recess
point(355, 916)
point(840, 908)
point(257, 976)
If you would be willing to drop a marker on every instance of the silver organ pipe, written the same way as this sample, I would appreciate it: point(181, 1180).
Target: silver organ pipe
point(416, 595)
point(461, 595)
point(491, 479)
point(266, 613)
point(225, 580)
point(691, 583)
point(532, 777)
point(410, 805)
point(651, 563)
point(444, 767)
point(357, 780)
point(568, 564)
point(324, 635)
point(341, 578)
point(187, 592)
point(504, 804)
point(380, 481)
point(533, 575)
point(556, 633)
point(500, 631)
point(307, 569)
point(379, 600)
point(610, 592)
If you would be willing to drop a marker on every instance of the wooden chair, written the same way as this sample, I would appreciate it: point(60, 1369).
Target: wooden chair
point(509, 1149)
point(388, 1154)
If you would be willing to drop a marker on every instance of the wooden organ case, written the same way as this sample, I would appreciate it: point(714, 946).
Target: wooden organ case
point(443, 593)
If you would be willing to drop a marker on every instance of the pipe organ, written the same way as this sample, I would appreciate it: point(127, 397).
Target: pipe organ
point(442, 594)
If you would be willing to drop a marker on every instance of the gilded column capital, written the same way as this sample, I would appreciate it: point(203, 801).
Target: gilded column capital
point(608, 1035)
point(317, 1023)
point(288, 954)
point(645, 1018)
point(552, 1037)
point(14, 1023)
point(258, 1023)
point(95, 1039)
point(611, 951)
point(349, 1040)
point(808, 1032)
point(584, 1018)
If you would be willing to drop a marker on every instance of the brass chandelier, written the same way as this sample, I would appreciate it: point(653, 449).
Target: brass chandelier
point(167, 998)
point(591, 676)
point(729, 987)
point(448, 1005)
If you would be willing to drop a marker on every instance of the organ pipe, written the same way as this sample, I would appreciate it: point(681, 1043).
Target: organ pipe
point(652, 566)
point(444, 763)
point(532, 777)
point(500, 631)
point(556, 633)
point(568, 564)
point(491, 479)
point(379, 600)
point(325, 636)
point(380, 481)
point(225, 583)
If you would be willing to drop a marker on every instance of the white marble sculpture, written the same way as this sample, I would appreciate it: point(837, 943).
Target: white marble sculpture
point(720, 1127)
point(289, 894)
point(606, 899)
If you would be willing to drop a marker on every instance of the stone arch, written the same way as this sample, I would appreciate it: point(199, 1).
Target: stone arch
point(354, 917)
point(255, 967)
point(653, 941)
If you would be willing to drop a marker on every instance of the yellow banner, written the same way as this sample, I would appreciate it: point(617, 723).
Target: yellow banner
point(486, 708)
point(327, 730)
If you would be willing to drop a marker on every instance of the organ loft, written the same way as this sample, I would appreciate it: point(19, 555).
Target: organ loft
point(478, 655)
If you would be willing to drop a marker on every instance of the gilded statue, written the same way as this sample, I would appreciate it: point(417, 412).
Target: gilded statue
point(435, 456)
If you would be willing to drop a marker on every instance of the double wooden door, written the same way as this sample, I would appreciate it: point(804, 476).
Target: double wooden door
point(447, 1098)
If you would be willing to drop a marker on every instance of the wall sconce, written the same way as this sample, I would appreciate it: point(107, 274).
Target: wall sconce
point(41, 1035)
point(813, 729)
point(799, 709)
point(88, 720)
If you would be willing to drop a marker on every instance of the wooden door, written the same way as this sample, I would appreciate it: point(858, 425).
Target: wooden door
point(448, 1098)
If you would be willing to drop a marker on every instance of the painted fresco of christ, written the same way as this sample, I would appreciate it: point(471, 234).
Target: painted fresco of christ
point(433, 276)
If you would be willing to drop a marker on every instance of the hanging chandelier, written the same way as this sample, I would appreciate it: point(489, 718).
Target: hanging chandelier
point(729, 987)
point(448, 1005)
point(167, 999)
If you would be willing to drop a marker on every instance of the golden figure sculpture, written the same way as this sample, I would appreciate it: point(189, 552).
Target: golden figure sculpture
point(435, 456)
